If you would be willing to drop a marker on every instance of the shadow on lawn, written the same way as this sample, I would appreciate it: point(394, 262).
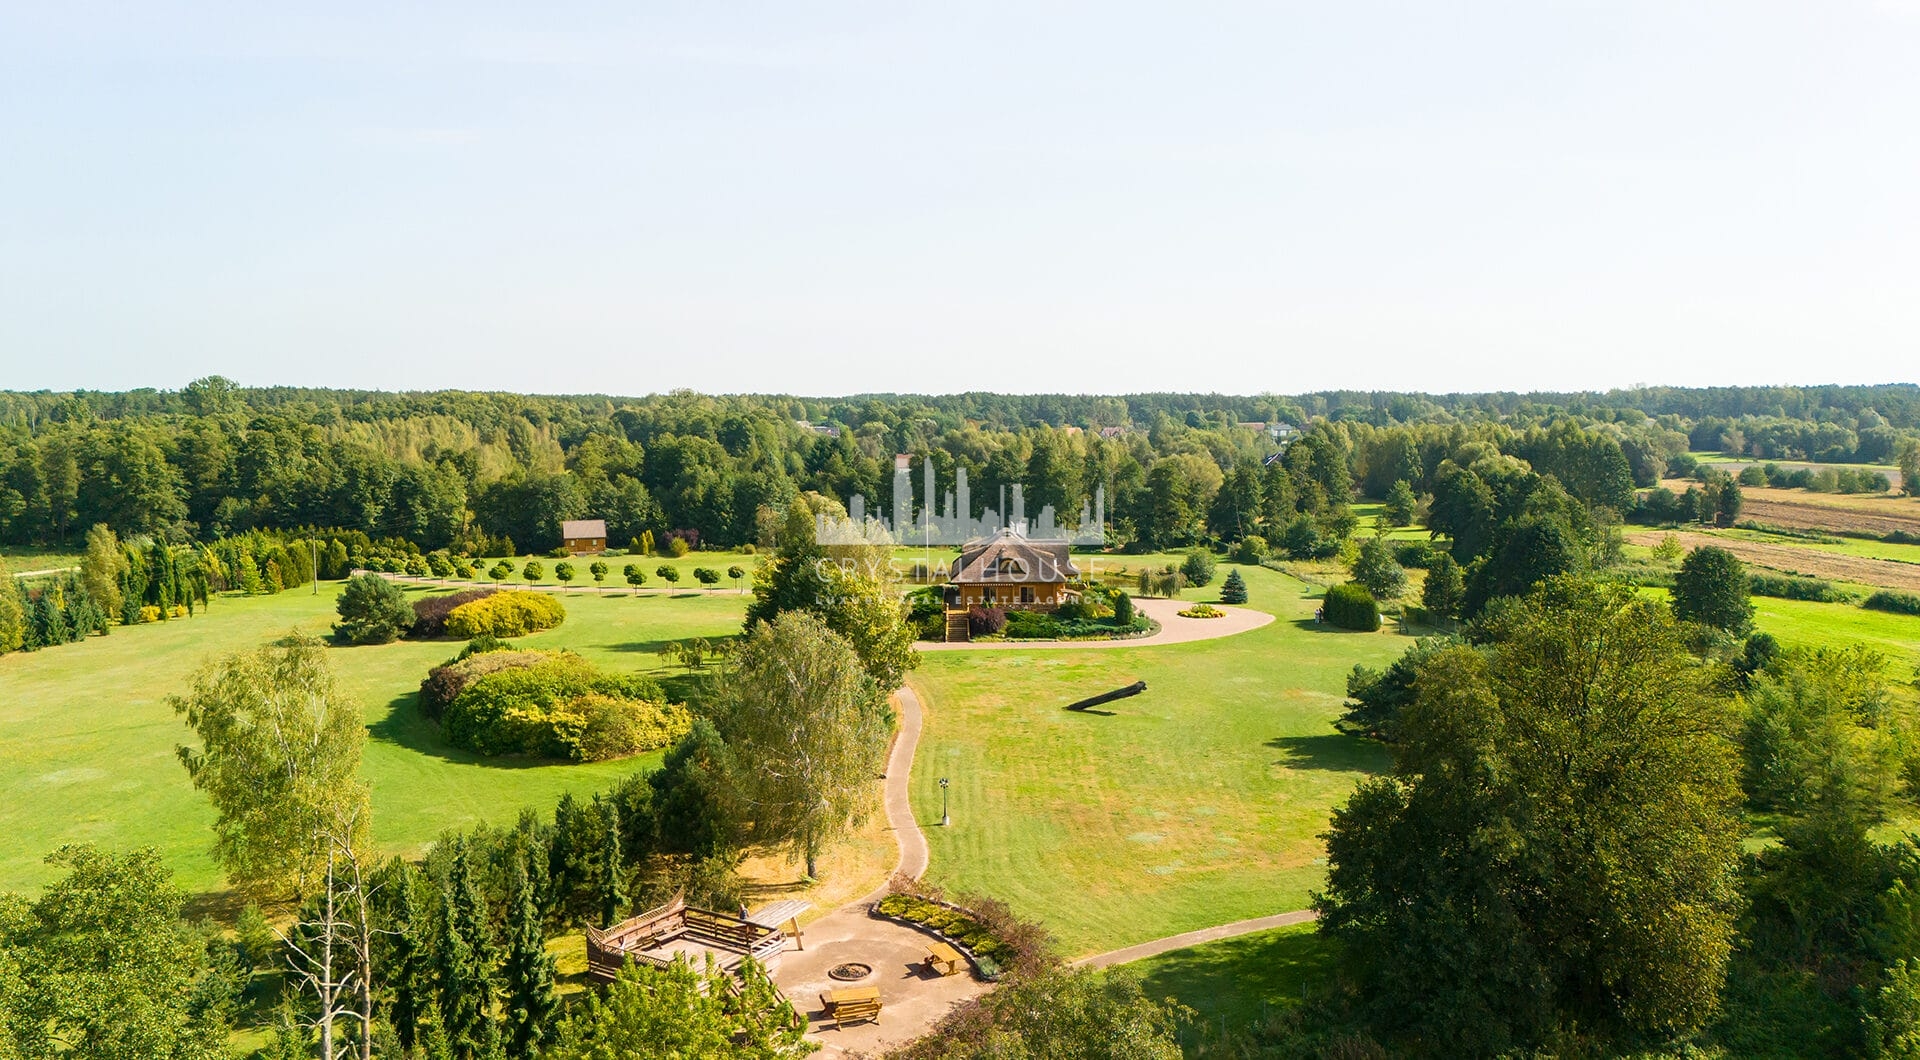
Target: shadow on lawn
point(1346, 754)
point(1311, 626)
point(405, 726)
point(1234, 981)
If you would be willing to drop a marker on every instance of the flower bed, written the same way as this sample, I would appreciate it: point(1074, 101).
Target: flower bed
point(949, 922)
point(1203, 611)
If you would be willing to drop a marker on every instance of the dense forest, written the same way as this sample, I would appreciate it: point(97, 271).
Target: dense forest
point(470, 471)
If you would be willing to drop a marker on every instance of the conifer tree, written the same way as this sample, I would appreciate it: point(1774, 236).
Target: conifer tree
point(49, 625)
point(529, 970)
point(465, 959)
point(410, 972)
point(613, 885)
point(1234, 589)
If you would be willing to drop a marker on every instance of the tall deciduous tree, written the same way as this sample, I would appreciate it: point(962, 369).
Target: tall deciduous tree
point(279, 750)
point(104, 564)
point(845, 586)
point(1556, 845)
point(805, 724)
point(102, 967)
point(1711, 588)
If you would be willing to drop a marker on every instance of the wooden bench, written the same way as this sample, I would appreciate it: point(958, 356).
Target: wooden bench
point(944, 959)
point(853, 1005)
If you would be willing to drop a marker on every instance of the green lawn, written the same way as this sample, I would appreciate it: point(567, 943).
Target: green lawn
point(1234, 981)
point(1196, 803)
point(20, 558)
point(1837, 625)
point(86, 737)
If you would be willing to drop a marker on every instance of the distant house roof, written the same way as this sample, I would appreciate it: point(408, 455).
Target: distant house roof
point(576, 529)
point(1008, 558)
point(1114, 432)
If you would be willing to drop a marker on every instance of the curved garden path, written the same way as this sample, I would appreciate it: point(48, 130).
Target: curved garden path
point(914, 1000)
point(1155, 947)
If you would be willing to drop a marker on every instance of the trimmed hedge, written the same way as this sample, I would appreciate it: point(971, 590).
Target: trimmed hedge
point(430, 614)
point(554, 705)
point(508, 614)
point(1787, 587)
point(1895, 601)
point(1350, 606)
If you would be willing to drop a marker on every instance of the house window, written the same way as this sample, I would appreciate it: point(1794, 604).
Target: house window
point(1026, 594)
point(986, 595)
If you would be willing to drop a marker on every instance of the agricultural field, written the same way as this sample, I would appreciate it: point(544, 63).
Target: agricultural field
point(1782, 553)
point(1871, 513)
point(87, 739)
point(1196, 803)
point(1735, 464)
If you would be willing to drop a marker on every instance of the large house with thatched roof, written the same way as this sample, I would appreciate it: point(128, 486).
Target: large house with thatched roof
point(1007, 570)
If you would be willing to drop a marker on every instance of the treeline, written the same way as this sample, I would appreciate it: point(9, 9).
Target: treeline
point(466, 472)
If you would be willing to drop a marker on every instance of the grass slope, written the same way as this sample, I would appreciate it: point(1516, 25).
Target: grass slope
point(1232, 982)
point(87, 740)
point(1197, 803)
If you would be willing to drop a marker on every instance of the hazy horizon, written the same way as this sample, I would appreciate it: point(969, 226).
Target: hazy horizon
point(1010, 198)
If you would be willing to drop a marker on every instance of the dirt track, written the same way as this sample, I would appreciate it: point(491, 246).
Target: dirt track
point(1834, 566)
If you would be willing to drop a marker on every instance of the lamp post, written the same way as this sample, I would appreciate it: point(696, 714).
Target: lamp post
point(944, 819)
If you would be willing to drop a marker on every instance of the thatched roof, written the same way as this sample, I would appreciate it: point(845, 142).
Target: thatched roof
point(1007, 558)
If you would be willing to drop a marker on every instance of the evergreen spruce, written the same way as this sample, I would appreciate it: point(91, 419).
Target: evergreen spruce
point(613, 885)
point(466, 967)
point(529, 970)
point(49, 622)
point(1234, 589)
point(410, 971)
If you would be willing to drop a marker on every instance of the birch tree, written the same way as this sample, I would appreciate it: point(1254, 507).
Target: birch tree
point(806, 725)
point(279, 749)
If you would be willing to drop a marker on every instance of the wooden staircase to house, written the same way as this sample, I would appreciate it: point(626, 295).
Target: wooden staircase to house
point(957, 629)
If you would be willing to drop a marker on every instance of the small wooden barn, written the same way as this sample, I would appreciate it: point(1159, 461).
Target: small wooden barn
point(581, 536)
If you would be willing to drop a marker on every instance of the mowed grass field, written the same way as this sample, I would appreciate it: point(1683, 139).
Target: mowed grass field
point(1232, 982)
point(1196, 803)
point(87, 739)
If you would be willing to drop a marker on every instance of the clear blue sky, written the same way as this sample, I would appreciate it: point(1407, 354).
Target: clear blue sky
point(835, 198)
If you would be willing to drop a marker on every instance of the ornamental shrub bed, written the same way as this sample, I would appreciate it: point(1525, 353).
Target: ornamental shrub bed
point(1038, 625)
point(552, 705)
point(430, 614)
point(1203, 611)
point(445, 682)
point(506, 614)
point(997, 940)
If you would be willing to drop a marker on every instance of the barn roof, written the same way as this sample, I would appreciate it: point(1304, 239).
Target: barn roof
point(578, 528)
point(1007, 557)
